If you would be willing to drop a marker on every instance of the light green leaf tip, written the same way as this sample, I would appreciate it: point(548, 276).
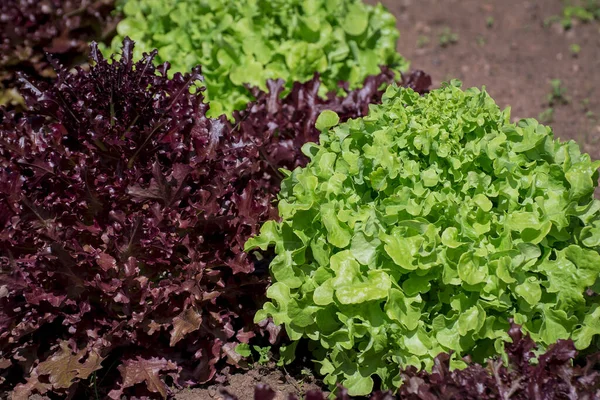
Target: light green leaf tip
point(326, 120)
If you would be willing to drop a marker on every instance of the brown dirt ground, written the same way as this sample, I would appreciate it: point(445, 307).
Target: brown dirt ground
point(515, 58)
point(242, 385)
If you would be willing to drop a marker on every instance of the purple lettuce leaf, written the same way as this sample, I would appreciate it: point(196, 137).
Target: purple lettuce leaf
point(62, 28)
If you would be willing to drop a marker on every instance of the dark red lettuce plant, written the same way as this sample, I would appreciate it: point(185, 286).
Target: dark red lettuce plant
point(63, 28)
point(123, 212)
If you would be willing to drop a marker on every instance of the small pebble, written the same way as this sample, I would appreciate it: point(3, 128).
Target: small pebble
point(212, 391)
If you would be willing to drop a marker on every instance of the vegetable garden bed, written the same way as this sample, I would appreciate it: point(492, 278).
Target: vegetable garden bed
point(287, 198)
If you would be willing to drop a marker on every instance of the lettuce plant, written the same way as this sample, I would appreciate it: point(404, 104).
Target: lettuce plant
point(123, 215)
point(111, 213)
point(422, 228)
point(250, 41)
point(62, 28)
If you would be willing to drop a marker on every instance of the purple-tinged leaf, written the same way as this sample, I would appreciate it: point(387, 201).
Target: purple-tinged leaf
point(146, 371)
point(62, 28)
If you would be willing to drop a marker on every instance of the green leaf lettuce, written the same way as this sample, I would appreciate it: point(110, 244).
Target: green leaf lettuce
point(423, 227)
point(249, 41)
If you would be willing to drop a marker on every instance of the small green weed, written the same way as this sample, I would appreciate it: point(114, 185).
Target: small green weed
point(581, 10)
point(261, 355)
point(422, 41)
point(585, 105)
point(447, 37)
point(558, 93)
point(546, 116)
point(264, 354)
point(575, 49)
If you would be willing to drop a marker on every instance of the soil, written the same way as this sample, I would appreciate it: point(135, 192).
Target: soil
point(241, 385)
point(505, 46)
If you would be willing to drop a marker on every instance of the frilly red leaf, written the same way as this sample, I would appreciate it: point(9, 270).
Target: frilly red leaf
point(62, 28)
